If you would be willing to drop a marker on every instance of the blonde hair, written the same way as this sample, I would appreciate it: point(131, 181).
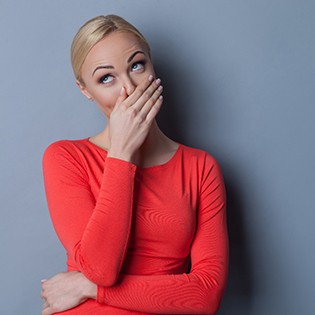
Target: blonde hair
point(94, 31)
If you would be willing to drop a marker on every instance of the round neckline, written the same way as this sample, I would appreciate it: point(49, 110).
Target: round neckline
point(159, 166)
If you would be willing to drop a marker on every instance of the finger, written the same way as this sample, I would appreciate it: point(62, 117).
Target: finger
point(154, 109)
point(46, 311)
point(45, 305)
point(151, 102)
point(122, 96)
point(139, 90)
point(148, 94)
point(42, 293)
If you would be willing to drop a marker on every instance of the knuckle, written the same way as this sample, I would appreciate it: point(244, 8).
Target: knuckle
point(146, 122)
point(140, 90)
point(147, 94)
point(54, 306)
point(132, 112)
point(150, 102)
point(155, 96)
point(138, 119)
point(142, 118)
point(124, 106)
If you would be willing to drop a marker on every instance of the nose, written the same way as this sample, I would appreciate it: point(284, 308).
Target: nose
point(128, 84)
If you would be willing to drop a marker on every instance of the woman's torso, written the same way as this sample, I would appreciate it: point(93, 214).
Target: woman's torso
point(165, 203)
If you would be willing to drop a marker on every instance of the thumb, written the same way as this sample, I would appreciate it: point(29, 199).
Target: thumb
point(122, 96)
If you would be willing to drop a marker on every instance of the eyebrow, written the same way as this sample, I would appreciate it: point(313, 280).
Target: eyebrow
point(111, 67)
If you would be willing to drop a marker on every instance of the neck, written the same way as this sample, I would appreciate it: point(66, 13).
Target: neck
point(156, 148)
point(154, 141)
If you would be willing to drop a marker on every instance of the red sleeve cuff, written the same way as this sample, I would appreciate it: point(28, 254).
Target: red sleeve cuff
point(100, 297)
point(118, 162)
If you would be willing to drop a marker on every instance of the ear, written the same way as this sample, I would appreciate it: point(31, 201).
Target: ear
point(84, 90)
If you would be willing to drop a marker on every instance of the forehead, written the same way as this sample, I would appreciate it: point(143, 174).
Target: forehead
point(113, 48)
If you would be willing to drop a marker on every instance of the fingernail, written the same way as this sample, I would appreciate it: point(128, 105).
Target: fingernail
point(160, 88)
point(43, 280)
point(161, 97)
point(122, 90)
point(150, 77)
point(158, 81)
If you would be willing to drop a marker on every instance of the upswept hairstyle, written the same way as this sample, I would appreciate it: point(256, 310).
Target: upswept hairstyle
point(94, 31)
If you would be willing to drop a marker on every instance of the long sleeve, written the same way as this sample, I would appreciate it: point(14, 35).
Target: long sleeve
point(201, 290)
point(94, 231)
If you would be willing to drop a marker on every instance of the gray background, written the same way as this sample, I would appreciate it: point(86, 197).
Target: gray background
point(239, 83)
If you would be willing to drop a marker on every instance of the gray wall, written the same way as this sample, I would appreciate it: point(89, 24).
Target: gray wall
point(239, 82)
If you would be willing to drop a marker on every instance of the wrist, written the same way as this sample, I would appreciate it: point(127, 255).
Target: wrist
point(89, 289)
point(122, 155)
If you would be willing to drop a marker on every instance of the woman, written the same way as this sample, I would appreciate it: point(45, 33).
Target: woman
point(133, 208)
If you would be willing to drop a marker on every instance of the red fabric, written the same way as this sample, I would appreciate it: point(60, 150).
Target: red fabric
point(133, 231)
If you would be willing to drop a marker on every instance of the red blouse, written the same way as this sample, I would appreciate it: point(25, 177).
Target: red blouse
point(135, 231)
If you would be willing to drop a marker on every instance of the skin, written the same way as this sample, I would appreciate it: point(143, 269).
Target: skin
point(128, 97)
point(119, 76)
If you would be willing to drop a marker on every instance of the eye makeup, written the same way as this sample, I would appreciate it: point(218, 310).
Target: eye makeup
point(106, 79)
point(140, 64)
point(136, 67)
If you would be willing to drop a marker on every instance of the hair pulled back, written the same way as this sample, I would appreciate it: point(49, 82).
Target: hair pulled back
point(94, 31)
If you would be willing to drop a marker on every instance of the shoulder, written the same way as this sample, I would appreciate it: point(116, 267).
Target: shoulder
point(63, 161)
point(64, 152)
point(207, 172)
point(201, 157)
point(201, 164)
point(65, 147)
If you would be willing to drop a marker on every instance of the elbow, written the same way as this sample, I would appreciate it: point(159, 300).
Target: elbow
point(209, 300)
point(212, 309)
point(99, 272)
point(107, 280)
point(209, 307)
point(104, 279)
point(213, 302)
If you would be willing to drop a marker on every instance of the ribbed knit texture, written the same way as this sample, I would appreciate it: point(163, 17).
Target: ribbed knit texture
point(134, 231)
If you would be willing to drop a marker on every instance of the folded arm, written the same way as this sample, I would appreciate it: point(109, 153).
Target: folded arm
point(201, 290)
point(95, 233)
point(197, 292)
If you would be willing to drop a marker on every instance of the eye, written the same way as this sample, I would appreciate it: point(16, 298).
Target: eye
point(138, 66)
point(106, 79)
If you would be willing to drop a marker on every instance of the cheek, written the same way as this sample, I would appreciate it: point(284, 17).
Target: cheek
point(110, 95)
point(106, 98)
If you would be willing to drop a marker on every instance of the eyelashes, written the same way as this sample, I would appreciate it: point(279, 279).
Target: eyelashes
point(137, 67)
point(106, 79)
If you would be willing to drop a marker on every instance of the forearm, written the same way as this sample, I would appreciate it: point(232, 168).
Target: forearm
point(92, 222)
point(106, 236)
point(194, 293)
